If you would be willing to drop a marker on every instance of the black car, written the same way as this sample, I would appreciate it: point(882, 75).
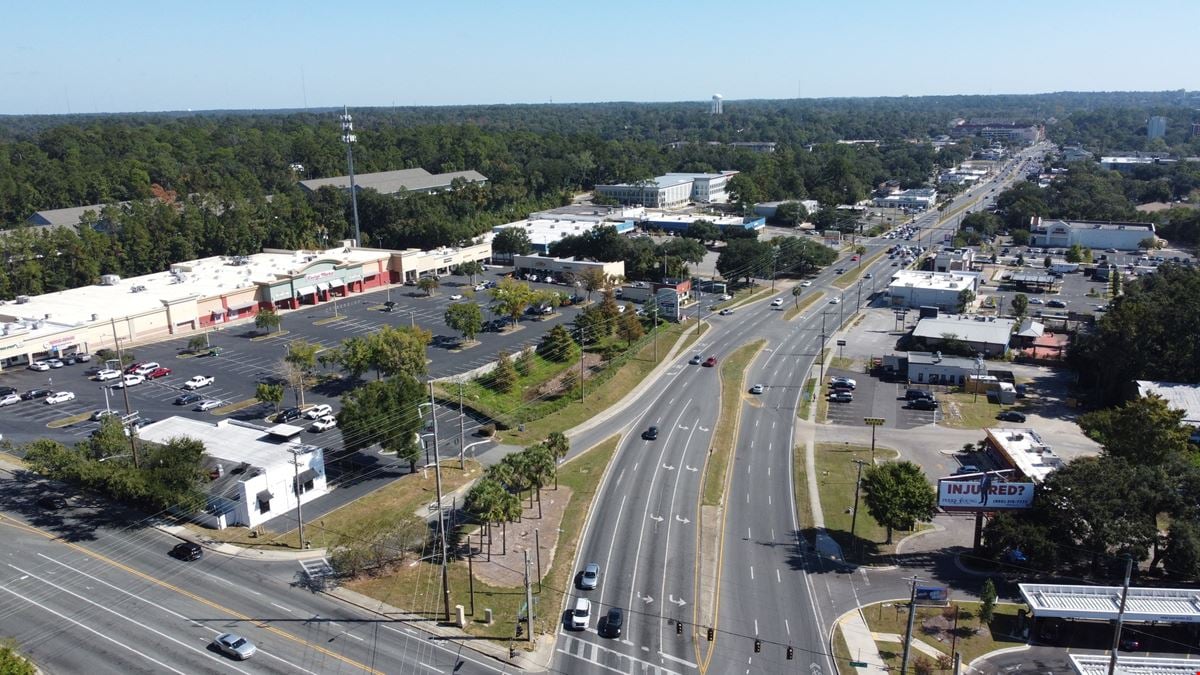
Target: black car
point(35, 393)
point(1011, 416)
point(923, 404)
point(188, 399)
point(52, 502)
point(650, 434)
point(188, 550)
point(5, 391)
point(613, 622)
point(915, 394)
point(289, 414)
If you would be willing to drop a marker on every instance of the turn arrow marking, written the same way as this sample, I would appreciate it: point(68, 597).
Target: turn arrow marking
point(690, 468)
point(682, 519)
point(678, 601)
point(657, 519)
point(645, 598)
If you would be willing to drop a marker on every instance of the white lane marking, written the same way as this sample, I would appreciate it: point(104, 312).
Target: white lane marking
point(676, 659)
point(426, 665)
point(747, 497)
point(117, 614)
point(787, 626)
point(778, 578)
point(92, 631)
point(772, 534)
point(768, 500)
point(662, 590)
point(752, 572)
point(616, 528)
point(748, 535)
point(457, 651)
point(756, 626)
point(282, 607)
point(768, 471)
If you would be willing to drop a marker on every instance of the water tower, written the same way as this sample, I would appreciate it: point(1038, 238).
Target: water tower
point(716, 104)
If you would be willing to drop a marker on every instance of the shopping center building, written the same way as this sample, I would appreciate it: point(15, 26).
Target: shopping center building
point(198, 295)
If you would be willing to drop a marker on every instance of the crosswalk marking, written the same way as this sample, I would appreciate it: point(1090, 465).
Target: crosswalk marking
point(610, 659)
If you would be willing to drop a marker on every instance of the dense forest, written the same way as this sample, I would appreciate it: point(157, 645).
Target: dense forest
point(197, 183)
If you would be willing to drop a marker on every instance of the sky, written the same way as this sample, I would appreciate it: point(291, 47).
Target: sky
point(59, 56)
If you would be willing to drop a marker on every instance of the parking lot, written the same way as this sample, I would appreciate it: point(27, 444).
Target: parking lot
point(876, 398)
point(246, 358)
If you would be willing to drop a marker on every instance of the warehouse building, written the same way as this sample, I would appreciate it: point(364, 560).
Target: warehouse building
point(915, 289)
point(544, 232)
point(680, 222)
point(1096, 235)
point(985, 335)
point(394, 182)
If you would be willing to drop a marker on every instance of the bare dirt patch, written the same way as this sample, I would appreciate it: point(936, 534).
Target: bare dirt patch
point(506, 568)
point(554, 386)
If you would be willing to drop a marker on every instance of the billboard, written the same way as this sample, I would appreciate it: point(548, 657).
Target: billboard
point(983, 494)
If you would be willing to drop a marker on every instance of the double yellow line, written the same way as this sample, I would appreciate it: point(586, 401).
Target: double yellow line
point(5, 520)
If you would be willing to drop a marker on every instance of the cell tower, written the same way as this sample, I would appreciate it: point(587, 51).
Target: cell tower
point(717, 104)
point(349, 138)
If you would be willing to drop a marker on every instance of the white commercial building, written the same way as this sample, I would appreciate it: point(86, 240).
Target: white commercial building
point(985, 335)
point(415, 263)
point(254, 473)
point(954, 260)
point(1178, 396)
point(915, 289)
point(545, 232)
point(564, 268)
point(671, 190)
point(1025, 451)
point(916, 198)
point(1096, 235)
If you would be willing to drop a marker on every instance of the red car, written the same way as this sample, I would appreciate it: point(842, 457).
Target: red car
point(853, 258)
point(157, 373)
point(710, 362)
point(132, 367)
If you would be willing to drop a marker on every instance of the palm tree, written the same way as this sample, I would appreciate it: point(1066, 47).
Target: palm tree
point(559, 446)
point(484, 502)
point(510, 510)
point(428, 284)
point(539, 465)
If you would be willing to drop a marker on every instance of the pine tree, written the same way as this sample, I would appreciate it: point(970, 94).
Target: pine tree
point(504, 377)
point(987, 599)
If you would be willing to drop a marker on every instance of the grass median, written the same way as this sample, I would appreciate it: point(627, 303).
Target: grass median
point(796, 308)
point(416, 587)
point(954, 627)
point(851, 275)
point(806, 398)
point(745, 296)
point(733, 376)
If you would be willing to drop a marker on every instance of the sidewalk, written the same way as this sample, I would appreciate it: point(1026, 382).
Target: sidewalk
point(860, 642)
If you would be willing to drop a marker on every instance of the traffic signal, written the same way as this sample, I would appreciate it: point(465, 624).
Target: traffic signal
point(757, 645)
point(711, 634)
point(789, 654)
point(679, 628)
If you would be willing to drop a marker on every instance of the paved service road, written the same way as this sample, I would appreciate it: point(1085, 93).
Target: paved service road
point(86, 589)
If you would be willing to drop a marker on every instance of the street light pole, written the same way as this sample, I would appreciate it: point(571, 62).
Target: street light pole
point(125, 391)
point(857, 485)
point(437, 480)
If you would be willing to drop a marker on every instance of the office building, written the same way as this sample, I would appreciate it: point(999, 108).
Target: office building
point(1156, 127)
point(672, 190)
point(915, 289)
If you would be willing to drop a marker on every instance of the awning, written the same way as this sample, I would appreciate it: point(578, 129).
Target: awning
point(337, 283)
point(322, 286)
point(306, 476)
point(265, 496)
point(305, 290)
point(241, 308)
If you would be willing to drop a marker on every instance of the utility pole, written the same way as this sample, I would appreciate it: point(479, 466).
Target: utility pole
point(471, 571)
point(125, 390)
point(1116, 643)
point(537, 550)
point(437, 480)
point(821, 355)
point(654, 328)
point(295, 450)
point(582, 388)
point(462, 432)
point(528, 602)
point(912, 615)
point(857, 485)
point(348, 138)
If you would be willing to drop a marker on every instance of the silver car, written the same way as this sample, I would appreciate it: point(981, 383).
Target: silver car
point(590, 577)
point(235, 646)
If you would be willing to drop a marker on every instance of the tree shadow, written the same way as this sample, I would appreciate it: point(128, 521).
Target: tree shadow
point(85, 514)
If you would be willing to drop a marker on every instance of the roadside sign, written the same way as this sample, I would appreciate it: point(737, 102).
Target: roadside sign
point(841, 343)
point(858, 664)
point(873, 421)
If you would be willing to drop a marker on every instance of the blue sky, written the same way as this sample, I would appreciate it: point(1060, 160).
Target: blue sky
point(118, 55)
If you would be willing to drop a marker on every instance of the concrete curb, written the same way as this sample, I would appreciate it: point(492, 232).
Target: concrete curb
point(235, 551)
point(997, 652)
point(932, 530)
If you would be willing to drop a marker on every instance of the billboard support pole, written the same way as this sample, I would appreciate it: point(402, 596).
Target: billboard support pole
point(978, 531)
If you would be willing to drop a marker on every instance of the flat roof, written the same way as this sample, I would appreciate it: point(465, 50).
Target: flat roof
point(946, 281)
point(1179, 396)
point(985, 329)
point(1026, 451)
point(228, 440)
point(1097, 664)
point(1102, 603)
point(390, 182)
point(699, 176)
point(589, 212)
point(1094, 225)
point(1032, 278)
point(203, 278)
point(546, 231)
point(929, 359)
point(687, 219)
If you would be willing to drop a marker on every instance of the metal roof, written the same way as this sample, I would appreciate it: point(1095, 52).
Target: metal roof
point(1032, 278)
point(1102, 603)
point(965, 327)
point(1179, 396)
point(1097, 664)
point(391, 182)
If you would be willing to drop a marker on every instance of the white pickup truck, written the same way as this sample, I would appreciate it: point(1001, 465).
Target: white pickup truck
point(198, 381)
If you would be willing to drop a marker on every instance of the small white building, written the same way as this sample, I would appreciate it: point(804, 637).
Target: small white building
point(915, 289)
point(1093, 234)
point(916, 198)
point(255, 473)
point(986, 335)
point(1025, 451)
point(564, 268)
point(954, 260)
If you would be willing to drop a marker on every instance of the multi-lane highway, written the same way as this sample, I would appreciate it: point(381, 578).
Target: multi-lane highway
point(642, 529)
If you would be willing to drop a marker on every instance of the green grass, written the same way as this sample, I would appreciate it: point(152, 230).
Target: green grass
point(732, 386)
point(973, 639)
point(67, 421)
point(841, 363)
point(961, 410)
point(234, 407)
point(744, 296)
point(851, 275)
point(400, 497)
point(267, 336)
point(836, 474)
point(328, 319)
point(520, 403)
point(626, 377)
point(417, 587)
point(805, 300)
point(806, 398)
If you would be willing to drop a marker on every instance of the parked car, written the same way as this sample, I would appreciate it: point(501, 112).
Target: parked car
point(650, 434)
point(39, 365)
point(318, 411)
point(847, 382)
point(81, 357)
point(289, 414)
point(101, 414)
point(1011, 416)
point(841, 397)
point(132, 368)
point(966, 469)
point(235, 646)
point(923, 404)
point(914, 394)
point(60, 397)
point(146, 368)
point(55, 363)
point(187, 399)
point(323, 423)
point(198, 381)
point(188, 550)
point(35, 393)
point(613, 622)
point(5, 391)
point(106, 374)
point(582, 614)
point(207, 404)
point(9, 399)
point(590, 578)
point(1057, 304)
point(129, 381)
point(756, 389)
point(710, 361)
point(157, 373)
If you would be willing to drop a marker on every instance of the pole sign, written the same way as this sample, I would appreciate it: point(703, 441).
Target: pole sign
point(873, 421)
point(841, 343)
point(983, 494)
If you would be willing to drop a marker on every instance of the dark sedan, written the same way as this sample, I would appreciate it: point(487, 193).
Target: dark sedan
point(650, 434)
point(35, 393)
point(188, 399)
point(1011, 416)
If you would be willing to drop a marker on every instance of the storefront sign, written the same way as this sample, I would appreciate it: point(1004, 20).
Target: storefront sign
point(58, 342)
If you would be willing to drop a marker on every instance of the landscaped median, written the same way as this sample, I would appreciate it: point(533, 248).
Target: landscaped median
point(230, 408)
point(733, 380)
point(745, 296)
point(851, 275)
point(805, 301)
point(940, 630)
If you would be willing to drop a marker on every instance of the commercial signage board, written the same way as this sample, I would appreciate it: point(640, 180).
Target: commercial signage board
point(983, 494)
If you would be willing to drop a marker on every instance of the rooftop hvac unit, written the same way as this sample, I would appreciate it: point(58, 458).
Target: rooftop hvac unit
point(22, 299)
point(110, 280)
point(95, 317)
